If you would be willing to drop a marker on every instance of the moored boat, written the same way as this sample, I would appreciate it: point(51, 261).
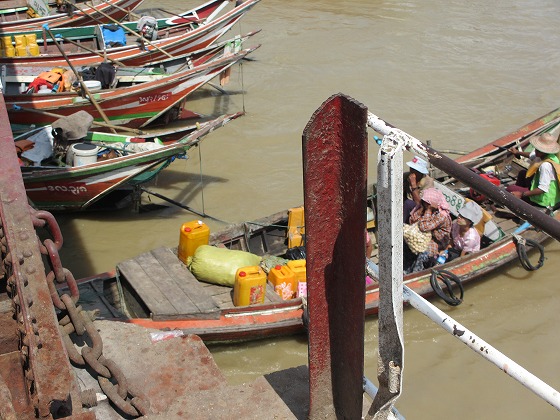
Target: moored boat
point(160, 292)
point(107, 163)
point(23, 17)
point(133, 105)
point(121, 44)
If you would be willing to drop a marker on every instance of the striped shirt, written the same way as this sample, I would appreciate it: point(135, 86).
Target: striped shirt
point(438, 223)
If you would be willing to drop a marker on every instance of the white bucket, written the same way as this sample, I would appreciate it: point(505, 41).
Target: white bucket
point(81, 154)
point(93, 85)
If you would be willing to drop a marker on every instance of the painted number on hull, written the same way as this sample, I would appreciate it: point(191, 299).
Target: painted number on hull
point(61, 188)
point(153, 98)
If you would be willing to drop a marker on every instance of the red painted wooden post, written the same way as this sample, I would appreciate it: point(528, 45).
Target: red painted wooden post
point(335, 182)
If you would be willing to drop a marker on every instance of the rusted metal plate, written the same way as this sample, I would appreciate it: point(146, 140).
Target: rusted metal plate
point(50, 381)
point(335, 178)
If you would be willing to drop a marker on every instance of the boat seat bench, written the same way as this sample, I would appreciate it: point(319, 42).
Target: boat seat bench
point(167, 287)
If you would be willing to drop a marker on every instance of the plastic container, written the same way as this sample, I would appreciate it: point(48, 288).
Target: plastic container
point(302, 289)
point(192, 235)
point(93, 85)
point(81, 154)
point(33, 49)
point(298, 267)
point(31, 38)
point(284, 281)
point(296, 227)
point(21, 50)
point(9, 51)
point(20, 40)
point(44, 90)
point(442, 258)
point(7, 41)
point(480, 197)
point(250, 286)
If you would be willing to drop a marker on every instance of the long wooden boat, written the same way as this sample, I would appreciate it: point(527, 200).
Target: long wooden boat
point(134, 160)
point(174, 42)
point(160, 292)
point(16, 78)
point(19, 15)
point(135, 105)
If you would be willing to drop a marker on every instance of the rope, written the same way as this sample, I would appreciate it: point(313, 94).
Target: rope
point(447, 277)
point(241, 72)
point(521, 246)
point(200, 172)
point(242, 84)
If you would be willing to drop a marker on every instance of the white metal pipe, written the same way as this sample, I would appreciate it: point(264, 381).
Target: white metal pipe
point(371, 390)
point(481, 347)
point(406, 140)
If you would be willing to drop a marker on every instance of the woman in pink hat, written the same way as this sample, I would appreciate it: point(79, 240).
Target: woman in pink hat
point(432, 215)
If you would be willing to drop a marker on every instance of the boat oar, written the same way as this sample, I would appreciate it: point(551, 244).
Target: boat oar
point(82, 84)
point(175, 14)
point(97, 123)
point(117, 62)
point(126, 28)
point(129, 12)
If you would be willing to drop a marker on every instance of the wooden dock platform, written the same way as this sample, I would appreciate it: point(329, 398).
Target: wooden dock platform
point(170, 291)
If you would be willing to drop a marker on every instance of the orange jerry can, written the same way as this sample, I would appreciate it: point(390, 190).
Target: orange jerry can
point(284, 281)
point(298, 267)
point(192, 235)
point(250, 286)
point(480, 197)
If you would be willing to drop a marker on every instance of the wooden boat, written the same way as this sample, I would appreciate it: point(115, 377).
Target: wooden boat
point(125, 161)
point(87, 46)
point(160, 292)
point(19, 16)
point(135, 105)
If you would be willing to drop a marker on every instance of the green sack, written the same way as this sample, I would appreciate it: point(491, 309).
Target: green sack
point(219, 265)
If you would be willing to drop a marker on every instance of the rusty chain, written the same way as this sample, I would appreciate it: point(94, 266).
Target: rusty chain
point(75, 320)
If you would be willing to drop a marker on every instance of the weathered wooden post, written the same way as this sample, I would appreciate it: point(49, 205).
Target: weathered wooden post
point(335, 182)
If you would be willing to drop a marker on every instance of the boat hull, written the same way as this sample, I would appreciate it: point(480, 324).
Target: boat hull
point(78, 188)
point(133, 106)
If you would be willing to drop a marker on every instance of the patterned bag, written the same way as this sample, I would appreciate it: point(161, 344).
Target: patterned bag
point(416, 240)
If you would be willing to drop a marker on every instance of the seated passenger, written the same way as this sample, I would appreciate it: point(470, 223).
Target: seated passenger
point(415, 182)
point(544, 173)
point(464, 236)
point(432, 215)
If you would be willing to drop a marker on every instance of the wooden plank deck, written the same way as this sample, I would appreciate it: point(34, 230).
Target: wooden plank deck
point(167, 287)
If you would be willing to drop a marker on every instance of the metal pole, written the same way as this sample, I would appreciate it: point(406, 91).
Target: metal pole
point(484, 349)
point(391, 348)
